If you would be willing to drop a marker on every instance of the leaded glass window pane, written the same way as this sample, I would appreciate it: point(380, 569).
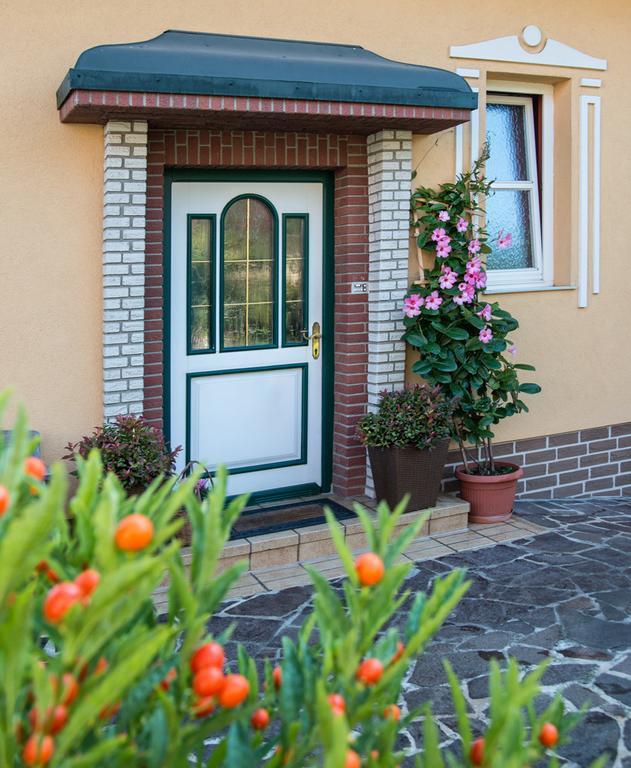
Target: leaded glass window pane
point(249, 269)
point(200, 283)
point(295, 283)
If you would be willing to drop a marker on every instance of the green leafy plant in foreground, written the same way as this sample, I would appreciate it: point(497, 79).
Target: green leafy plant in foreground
point(100, 680)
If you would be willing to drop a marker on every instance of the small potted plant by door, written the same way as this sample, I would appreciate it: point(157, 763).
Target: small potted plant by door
point(408, 439)
point(131, 449)
point(463, 339)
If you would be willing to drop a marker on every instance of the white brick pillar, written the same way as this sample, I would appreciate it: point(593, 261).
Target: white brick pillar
point(124, 208)
point(389, 189)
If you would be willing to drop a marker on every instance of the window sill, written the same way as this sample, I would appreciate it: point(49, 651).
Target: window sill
point(527, 288)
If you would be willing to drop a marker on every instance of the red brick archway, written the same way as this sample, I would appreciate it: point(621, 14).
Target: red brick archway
point(346, 156)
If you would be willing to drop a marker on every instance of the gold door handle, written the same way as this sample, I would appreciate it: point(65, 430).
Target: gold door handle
point(314, 338)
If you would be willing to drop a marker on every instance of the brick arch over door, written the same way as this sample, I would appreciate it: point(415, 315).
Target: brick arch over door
point(347, 156)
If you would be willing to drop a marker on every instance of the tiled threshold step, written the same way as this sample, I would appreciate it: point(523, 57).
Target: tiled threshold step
point(270, 550)
point(446, 533)
point(426, 548)
point(267, 553)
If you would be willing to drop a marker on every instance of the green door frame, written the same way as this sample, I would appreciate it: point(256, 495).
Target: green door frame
point(325, 178)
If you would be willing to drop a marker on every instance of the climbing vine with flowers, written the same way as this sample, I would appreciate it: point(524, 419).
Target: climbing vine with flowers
point(463, 339)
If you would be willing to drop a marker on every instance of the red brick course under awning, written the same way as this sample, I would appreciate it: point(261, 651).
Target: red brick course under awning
point(252, 113)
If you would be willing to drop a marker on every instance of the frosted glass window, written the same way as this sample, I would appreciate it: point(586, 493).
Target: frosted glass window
point(506, 134)
point(510, 212)
point(512, 166)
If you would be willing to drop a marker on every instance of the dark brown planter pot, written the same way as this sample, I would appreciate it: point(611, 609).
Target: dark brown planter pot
point(491, 496)
point(397, 471)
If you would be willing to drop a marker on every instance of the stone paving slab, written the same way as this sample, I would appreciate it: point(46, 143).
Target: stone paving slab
point(562, 594)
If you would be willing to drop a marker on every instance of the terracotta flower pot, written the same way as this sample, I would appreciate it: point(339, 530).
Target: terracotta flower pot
point(397, 471)
point(491, 496)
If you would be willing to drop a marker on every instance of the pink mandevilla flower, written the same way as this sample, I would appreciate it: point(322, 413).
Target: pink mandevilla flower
point(438, 234)
point(474, 266)
point(443, 216)
point(467, 292)
point(412, 305)
point(486, 334)
point(433, 301)
point(480, 280)
point(485, 313)
point(448, 277)
point(443, 249)
point(462, 225)
point(474, 246)
point(512, 349)
point(504, 241)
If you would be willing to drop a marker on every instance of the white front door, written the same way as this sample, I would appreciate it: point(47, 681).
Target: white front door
point(246, 288)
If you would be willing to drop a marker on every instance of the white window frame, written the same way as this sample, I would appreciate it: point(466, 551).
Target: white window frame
point(541, 274)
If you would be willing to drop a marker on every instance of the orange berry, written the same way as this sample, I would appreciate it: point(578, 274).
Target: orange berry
point(476, 753)
point(166, 681)
point(338, 705)
point(69, 688)
point(108, 712)
point(59, 718)
point(548, 735)
point(4, 500)
point(208, 682)
point(235, 690)
point(369, 671)
point(35, 467)
point(392, 711)
point(204, 707)
point(277, 675)
point(398, 653)
point(101, 666)
point(352, 759)
point(134, 532)
point(88, 581)
point(54, 720)
point(369, 568)
point(38, 750)
point(208, 655)
point(60, 600)
point(260, 719)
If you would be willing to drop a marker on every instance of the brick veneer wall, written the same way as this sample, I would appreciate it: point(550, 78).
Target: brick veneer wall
point(344, 154)
point(589, 462)
point(389, 189)
point(124, 198)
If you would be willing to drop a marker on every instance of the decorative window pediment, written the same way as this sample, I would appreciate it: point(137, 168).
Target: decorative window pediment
point(528, 48)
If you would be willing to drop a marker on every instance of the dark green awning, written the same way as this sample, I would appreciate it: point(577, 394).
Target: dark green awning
point(229, 65)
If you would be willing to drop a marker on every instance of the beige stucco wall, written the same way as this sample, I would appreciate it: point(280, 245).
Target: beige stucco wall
point(50, 196)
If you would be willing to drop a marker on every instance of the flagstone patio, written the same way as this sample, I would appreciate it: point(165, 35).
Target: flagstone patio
point(563, 595)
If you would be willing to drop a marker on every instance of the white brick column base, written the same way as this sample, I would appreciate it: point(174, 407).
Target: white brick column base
point(389, 189)
point(124, 208)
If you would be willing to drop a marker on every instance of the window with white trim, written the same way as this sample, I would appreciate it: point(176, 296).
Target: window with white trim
point(519, 131)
